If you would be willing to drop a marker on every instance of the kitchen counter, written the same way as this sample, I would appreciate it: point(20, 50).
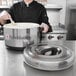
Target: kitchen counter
point(12, 64)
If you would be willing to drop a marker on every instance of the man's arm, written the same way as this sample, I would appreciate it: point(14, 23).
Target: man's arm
point(4, 16)
point(45, 21)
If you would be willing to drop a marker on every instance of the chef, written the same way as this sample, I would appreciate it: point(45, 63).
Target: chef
point(27, 11)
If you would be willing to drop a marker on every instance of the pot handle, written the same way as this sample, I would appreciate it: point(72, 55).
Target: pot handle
point(41, 29)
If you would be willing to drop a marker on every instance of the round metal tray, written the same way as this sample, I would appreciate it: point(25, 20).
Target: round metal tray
point(59, 58)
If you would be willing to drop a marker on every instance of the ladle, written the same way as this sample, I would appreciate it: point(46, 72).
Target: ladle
point(12, 21)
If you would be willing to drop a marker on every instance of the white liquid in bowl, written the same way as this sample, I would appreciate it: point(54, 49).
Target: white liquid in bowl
point(21, 25)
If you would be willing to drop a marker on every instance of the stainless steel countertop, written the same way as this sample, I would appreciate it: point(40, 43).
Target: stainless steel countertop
point(12, 64)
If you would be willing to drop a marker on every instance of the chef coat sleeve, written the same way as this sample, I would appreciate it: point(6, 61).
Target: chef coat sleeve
point(44, 19)
point(11, 11)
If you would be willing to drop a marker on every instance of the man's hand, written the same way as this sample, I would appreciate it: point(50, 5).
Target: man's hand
point(45, 27)
point(4, 16)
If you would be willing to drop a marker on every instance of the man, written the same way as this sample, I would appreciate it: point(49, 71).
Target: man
point(27, 11)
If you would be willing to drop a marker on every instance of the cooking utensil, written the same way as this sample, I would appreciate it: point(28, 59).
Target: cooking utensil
point(12, 21)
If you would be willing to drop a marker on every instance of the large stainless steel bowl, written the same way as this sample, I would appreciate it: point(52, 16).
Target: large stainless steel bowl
point(50, 58)
point(17, 33)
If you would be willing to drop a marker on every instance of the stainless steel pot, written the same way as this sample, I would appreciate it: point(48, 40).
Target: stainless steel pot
point(17, 33)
